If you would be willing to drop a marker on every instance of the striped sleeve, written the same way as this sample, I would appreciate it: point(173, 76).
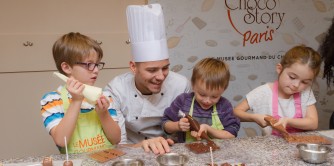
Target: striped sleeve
point(51, 110)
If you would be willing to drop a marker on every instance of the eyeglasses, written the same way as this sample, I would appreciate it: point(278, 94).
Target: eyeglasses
point(91, 66)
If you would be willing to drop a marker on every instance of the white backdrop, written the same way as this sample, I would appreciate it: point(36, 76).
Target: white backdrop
point(251, 36)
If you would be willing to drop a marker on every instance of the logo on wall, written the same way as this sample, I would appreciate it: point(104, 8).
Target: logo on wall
point(255, 20)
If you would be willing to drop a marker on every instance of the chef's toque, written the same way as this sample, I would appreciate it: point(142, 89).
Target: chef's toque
point(147, 32)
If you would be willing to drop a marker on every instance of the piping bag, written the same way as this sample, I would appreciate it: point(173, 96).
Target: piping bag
point(91, 93)
point(194, 125)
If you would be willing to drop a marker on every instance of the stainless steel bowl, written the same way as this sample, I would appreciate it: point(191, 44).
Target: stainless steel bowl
point(128, 162)
point(172, 159)
point(313, 153)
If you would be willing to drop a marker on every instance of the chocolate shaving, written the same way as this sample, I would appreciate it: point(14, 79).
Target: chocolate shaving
point(296, 138)
point(315, 139)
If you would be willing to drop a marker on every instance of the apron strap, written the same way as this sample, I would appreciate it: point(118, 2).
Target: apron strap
point(216, 123)
point(275, 99)
point(297, 103)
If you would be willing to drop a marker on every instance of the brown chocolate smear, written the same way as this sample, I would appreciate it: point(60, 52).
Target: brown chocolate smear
point(200, 147)
point(315, 139)
point(296, 138)
point(271, 120)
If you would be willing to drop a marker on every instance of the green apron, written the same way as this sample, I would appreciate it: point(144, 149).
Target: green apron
point(216, 123)
point(88, 134)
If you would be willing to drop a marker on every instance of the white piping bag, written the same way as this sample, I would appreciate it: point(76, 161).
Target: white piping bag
point(91, 93)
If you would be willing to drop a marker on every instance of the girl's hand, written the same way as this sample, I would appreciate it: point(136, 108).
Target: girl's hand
point(75, 88)
point(259, 119)
point(102, 104)
point(282, 121)
point(184, 125)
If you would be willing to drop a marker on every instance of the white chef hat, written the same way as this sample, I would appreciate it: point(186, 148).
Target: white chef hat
point(147, 32)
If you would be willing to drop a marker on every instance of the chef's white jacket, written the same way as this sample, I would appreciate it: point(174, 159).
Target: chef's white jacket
point(140, 115)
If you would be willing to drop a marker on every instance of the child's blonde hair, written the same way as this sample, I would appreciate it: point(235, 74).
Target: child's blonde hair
point(72, 48)
point(303, 55)
point(213, 72)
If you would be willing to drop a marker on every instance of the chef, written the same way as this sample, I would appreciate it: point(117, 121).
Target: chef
point(141, 96)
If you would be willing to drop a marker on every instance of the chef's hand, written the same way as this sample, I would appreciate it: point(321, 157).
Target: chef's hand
point(158, 145)
point(259, 119)
point(102, 104)
point(184, 125)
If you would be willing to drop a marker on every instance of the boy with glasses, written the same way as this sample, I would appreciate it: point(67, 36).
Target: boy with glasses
point(66, 113)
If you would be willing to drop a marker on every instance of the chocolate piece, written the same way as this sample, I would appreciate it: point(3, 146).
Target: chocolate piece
point(68, 163)
point(106, 155)
point(47, 161)
point(272, 121)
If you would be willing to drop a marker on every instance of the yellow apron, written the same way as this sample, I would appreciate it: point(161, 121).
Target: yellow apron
point(216, 123)
point(88, 134)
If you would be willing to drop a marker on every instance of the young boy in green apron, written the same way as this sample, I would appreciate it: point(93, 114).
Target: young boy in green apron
point(66, 113)
point(209, 80)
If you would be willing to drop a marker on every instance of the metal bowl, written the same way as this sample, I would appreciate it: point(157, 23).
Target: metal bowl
point(313, 153)
point(128, 162)
point(172, 159)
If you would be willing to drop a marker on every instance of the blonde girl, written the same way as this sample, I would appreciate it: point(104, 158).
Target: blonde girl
point(290, 98)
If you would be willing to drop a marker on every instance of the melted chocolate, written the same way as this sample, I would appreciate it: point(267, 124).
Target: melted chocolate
point(200, 147)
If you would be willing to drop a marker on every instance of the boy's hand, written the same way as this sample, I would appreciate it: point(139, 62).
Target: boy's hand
point(184, 125)
point(102, 104)
point(75, 88)
point(203, 128)
point(195, 135)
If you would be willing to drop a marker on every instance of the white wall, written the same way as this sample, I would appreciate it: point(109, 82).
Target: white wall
point(26, 71)
point(216, 28)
